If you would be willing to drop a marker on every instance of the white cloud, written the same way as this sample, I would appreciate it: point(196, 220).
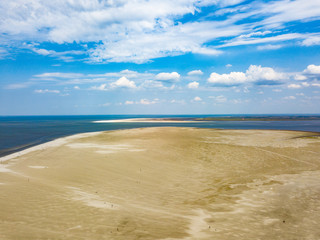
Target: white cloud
point(42, 52)
point(197, 99)
point(312, 69)
point(219, 99)
point(251, 41)
point(228, 65)
point(255, 74)
point(316, 84)
point(76, 87)
point(147, 102)
point(300, 77)
point(18, 85)
point(174, 76)
point(311, 41)
point(294, 86)
point(52, 75)
point(232, 78)
point(102, 87)
point(305, 84)
point(141, 30)
point(289, 98)
point(123, 82)
point(178, 101)
point(270, 47)
point(195, 72)
point(193, 85)
point(258, 73)
point(46, 91)
point(143, 101)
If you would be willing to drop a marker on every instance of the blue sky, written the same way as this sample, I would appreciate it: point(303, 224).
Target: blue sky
point(159, 57)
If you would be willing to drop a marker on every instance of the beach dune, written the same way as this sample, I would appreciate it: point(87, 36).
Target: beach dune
point(164, 183)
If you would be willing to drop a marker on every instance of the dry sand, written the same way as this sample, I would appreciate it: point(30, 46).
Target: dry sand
point(164, 183)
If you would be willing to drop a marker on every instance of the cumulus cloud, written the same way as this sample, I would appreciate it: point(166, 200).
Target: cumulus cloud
point(193, 85)
point(312, 69)
point(294, 86)
point(46, 91)
point(123, 82)
point(263, 74)
point(305, 84)
point(300, 77)
point(254, 74)
point(164, 76)
point(102, 87)
point(232, 78)
point(197, 99)
point(195, 72)
point(129, 102)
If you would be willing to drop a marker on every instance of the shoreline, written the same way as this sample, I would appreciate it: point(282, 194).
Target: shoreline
point(147, 120)
point(62, 140)
point(209, 119)
point(42, 146)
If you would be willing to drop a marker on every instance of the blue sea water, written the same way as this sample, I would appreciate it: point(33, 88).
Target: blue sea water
point(17, 133)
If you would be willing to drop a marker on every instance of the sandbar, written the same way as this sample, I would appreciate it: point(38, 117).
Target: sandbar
point(164, 183)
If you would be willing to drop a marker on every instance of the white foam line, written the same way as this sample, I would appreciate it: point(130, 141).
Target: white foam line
point(144, 120)
point(55, 143)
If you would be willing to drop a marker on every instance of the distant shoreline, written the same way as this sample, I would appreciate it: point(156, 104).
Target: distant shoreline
point(209, 119)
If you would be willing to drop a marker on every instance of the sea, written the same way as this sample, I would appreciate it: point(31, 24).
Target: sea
point(21, 132)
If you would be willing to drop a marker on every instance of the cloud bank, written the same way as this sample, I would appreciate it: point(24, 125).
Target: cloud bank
point(141, 30)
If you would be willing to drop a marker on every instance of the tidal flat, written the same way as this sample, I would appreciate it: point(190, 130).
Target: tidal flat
point(164, 183)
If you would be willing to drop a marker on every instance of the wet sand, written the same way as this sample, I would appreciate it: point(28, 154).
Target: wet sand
point(164, 183)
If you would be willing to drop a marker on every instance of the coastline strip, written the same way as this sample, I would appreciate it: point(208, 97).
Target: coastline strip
point(54, 143)
point(146, 120)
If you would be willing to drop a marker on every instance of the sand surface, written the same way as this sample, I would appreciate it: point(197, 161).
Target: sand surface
point(164, 183)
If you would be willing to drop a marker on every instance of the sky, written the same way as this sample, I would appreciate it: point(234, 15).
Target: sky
point(79, 57)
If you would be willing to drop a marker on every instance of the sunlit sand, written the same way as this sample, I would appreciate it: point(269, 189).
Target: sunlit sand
point(164, 183)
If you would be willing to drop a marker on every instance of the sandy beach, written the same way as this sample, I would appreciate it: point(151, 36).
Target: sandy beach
point(164, 183)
